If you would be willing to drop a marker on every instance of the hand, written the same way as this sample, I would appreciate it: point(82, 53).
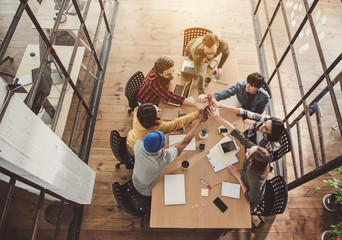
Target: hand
point(212, 112)
point(202, 117)
point(219, 73)
point(216, 103)
point(234, 171)
point(202, 97)
point(201, 105)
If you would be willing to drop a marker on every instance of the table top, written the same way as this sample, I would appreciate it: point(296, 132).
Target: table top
point(200, 211)
point(64, 52)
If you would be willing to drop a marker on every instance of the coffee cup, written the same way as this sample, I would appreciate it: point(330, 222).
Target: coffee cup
point(185, 164)
point(207, 80)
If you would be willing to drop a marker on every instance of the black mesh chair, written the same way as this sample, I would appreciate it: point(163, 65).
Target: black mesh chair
point(285, 147)
point(132, 89)
point(130, 200)
point(119, 149)
point(267, 88)
point(275, 199)
point(191, 33)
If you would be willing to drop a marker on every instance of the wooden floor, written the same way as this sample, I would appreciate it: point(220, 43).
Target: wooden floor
point(144, 31)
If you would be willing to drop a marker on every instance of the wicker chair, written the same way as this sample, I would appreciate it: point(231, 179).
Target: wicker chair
point(275, 199)
point(191, 33)
point(119, 149)
point(285, 147)
point(130, 200)
point(132, 89)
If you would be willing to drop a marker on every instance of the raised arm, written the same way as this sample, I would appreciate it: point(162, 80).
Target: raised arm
point(198, 105)
point(187, 139)
point(242, 112)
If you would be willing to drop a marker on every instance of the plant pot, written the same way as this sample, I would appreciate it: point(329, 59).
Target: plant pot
point(326, 235)
point(329, 203)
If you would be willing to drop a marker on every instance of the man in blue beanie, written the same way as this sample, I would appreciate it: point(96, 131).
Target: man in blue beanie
point(151, 159)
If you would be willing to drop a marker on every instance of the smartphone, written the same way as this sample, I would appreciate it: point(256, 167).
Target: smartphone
point(228, 146)
point(213, 63)
point(223, 130)
point(221, 205)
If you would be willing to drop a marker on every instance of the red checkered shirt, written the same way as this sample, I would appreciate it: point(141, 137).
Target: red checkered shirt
point(154, 88)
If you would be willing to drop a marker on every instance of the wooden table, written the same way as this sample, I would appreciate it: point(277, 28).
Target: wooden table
point(64, 52)
point(200, 211)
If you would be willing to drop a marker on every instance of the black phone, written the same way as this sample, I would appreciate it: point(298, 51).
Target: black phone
point(223, 130)
point(213, 63)
point(220, 204)
point(228, 146)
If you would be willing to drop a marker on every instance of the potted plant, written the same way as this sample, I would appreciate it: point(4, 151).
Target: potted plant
point(333, 202)
point(334, 233)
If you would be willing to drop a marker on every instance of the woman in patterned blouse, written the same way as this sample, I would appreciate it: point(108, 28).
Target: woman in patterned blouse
point(266, 132)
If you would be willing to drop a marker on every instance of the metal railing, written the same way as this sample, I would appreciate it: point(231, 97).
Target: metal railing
point(313, 106)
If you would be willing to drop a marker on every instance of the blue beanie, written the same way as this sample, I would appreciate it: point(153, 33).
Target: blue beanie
point(154, 141)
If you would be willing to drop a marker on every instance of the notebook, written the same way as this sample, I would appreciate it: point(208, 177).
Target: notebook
point(174, 189)
point(230, 190)
point(217, 165)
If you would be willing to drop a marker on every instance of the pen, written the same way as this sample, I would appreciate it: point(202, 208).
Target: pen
point(202, 181)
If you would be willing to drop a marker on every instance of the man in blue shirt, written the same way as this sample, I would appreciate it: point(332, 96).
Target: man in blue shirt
point(249, 93)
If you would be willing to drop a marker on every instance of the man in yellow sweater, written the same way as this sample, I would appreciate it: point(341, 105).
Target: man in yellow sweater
point(147, 119)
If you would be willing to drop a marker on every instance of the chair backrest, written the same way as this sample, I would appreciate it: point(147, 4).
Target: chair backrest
point(267, 88)
point(275, 198)
point(130, 199)
point(133, 87)
point(191, 33)
point(286, 146)
point(119, 149)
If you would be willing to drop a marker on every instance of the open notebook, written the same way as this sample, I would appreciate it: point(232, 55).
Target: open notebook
point(174, 189)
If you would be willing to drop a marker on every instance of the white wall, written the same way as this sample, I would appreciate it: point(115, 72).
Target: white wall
point(30, 149)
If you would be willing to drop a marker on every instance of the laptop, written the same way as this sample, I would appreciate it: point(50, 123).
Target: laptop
point(188, 68)
point(180, 89)
point(174, 189)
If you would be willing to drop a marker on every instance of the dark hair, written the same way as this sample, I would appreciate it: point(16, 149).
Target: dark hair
point(209, 40)
point(260, 160)
point(163, 63)
point(277, 129)
point(255, 80)
point(147, 115)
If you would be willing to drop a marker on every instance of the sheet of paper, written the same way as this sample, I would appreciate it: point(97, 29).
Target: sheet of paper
point(218, 165)
point(176, 138)
point(204, 192)
point(230, 190)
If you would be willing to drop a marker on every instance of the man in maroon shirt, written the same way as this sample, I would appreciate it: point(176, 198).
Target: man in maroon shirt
point(156, 84)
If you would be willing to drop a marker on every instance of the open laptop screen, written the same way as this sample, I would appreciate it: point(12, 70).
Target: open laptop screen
point(178, 90)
